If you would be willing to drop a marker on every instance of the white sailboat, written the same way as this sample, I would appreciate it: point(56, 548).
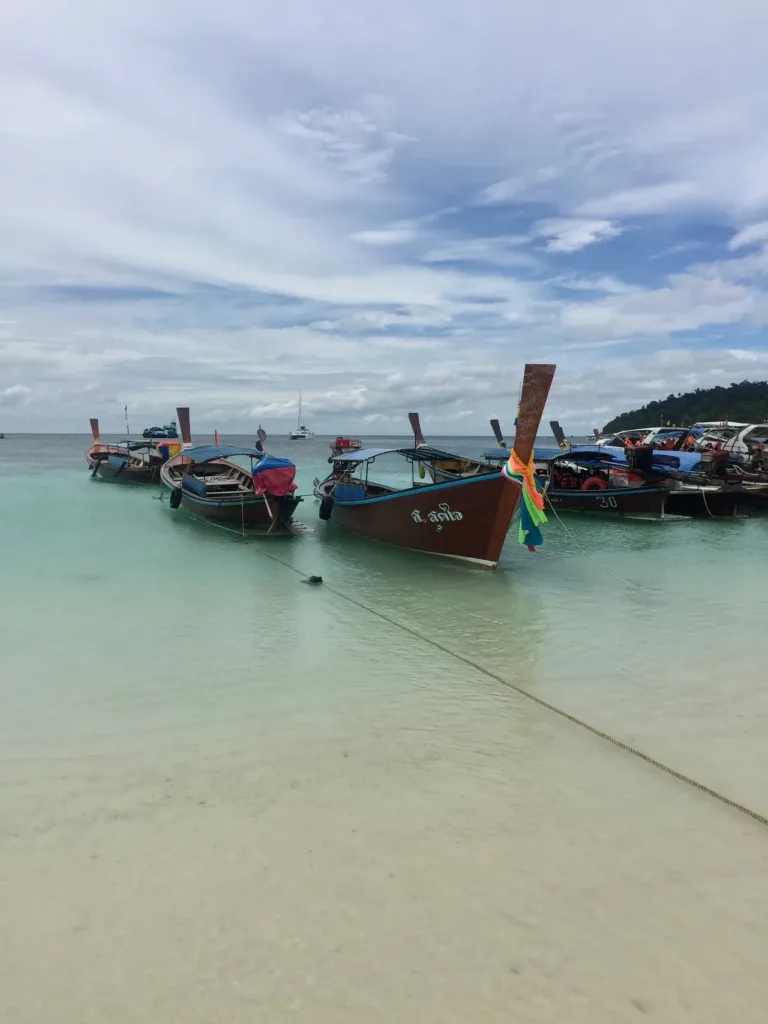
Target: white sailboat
point(301, 433)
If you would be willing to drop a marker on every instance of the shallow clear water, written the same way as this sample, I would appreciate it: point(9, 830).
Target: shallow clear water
point(227, 795)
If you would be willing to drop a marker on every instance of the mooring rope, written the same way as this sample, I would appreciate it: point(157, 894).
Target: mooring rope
point(629, 583)
point(490, 674)
point(540, 700)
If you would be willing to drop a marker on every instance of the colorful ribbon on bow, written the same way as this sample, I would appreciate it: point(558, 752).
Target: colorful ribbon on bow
point(532, 505)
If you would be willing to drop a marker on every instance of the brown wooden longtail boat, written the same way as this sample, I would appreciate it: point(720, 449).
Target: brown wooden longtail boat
point(136, 462)
point(466, 518)
point(205, 481)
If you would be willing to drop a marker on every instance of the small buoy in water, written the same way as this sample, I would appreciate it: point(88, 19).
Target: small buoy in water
point(313, 580)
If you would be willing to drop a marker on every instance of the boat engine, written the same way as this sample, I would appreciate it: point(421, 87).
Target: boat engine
point(640, 458)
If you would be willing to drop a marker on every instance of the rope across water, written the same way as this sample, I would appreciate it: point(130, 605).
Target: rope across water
point(490, 674)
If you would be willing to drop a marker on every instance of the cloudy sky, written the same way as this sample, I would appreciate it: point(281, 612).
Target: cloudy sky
point(390, 204)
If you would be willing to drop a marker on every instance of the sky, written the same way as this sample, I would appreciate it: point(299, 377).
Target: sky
point(390, 206)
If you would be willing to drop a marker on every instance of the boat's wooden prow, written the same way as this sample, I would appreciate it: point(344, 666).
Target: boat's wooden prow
point(496, 428)
point(95, 430)
point(418, 436)
point(182, 412)
point(537, 380)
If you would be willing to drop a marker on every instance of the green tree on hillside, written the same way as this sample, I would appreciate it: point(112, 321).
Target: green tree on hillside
point(746, 402)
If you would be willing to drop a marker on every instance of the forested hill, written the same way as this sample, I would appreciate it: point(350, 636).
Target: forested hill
point(746, 403)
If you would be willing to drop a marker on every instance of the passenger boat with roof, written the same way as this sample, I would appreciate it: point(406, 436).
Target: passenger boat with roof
point(593, 479)
point(640, 481)
point(136, 462)
point(206, 481)
point(341, 445)
point(167, 432)
point(465, 517)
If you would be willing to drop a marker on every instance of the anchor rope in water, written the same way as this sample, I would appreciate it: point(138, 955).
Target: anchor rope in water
point(629, 583)
point(680, 776)
point(490, 674)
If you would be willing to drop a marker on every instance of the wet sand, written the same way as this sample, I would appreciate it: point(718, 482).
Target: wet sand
point(503, 868)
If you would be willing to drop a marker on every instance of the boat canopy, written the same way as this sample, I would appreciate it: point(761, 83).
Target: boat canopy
point(423, 454)
point(685, 461)
point(208, 452)
point(274, 476)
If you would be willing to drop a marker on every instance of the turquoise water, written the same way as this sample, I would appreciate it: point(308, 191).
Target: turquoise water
point(230, 795)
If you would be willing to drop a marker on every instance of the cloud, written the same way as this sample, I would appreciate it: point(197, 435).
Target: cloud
point(349, 139)
point(754, 234)
point(687, 303)
point(15, 395)
point(223, 203)
point(567, 235)
point(638, 202)
point(396, 234)
point(502, 250)
point(499, 192)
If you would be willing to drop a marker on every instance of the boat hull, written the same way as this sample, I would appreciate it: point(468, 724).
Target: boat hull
point(705, 503)
point(249, 512)
point(754, 498)
point(624, 501)
point(123, 473)
point(466, 519)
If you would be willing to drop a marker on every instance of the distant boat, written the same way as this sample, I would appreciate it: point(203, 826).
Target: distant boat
point(301, 433)
point(203, 480)
point(136, 462)
point(167, 431)
point(342, 445)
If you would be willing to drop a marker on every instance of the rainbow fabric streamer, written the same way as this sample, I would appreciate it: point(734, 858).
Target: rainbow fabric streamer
point(532, 506)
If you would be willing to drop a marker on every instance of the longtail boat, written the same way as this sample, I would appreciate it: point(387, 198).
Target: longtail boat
point(205, 481)
point(466, 517)
point(595, 480)
point(636, 482)
point(136, 462)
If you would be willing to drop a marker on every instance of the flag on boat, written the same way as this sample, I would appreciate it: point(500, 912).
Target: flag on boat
point(532, 503)
point(274, 476)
